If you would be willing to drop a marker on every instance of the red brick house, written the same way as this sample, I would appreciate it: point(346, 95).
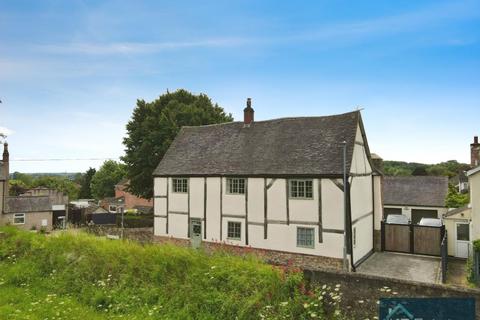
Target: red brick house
point(131, 202)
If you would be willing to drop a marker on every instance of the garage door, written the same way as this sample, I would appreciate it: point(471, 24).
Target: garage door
point(418, 214)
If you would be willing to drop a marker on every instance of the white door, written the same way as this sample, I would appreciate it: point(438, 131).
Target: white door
point(462, 245)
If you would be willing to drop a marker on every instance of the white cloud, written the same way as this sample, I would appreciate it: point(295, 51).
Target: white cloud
point(5, 131)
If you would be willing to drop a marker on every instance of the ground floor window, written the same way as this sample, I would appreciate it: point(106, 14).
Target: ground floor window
point(234, 230)
point(305, 237)
point(19, 218)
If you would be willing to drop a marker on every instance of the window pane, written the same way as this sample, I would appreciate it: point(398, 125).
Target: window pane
point(305, 237)
point(463, 233)
point(234, 230)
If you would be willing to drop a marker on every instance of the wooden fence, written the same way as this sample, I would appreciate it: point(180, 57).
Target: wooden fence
point(410, 238)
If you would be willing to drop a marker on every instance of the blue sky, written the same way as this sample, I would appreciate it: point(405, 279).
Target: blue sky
point(71, 71)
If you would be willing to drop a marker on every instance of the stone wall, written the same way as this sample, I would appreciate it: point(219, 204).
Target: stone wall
point(360, 292)
point(142, 235)
point(269, 256)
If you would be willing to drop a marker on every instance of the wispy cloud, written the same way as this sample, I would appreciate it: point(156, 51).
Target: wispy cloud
point(138, 47)
point(5, 131)
point(346, 32)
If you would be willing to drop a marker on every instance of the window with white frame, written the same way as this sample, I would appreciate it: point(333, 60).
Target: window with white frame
point(305, 237)
point(180, 185)
point(302, 189)
point(19, 218)
point(234, 230)
point(235, 185)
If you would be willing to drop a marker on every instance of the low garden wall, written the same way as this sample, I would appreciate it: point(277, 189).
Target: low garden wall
point(142, 235)
point(361, 292)
point(269, 256)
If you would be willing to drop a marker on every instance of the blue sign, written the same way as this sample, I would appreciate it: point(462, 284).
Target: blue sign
point(427, 309)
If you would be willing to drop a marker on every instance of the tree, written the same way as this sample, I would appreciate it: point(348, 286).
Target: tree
point(455, 199)
point(419, 171)
point(153, 127)
point(104, 180)
point(17, 187)
point(85, 181)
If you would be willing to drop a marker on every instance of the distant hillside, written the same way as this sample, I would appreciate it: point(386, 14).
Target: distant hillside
point(400, 168)
point(68, 175)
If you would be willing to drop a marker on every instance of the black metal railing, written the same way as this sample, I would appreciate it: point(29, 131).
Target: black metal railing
point(444, 252)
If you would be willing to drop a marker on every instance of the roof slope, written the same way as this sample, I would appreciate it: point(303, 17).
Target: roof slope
point(27, 204)
point(289, 146)
point(415, 191)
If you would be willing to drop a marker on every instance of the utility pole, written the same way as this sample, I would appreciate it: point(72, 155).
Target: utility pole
point(345, 258)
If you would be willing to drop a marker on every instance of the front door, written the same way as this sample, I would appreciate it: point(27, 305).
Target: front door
point(195, 232)
point(462, 245)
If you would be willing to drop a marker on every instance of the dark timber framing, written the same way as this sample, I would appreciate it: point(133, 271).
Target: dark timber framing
point(246, 211)
point(338, 184)
point(287, 196)
point(320, 235)
point(362, 217)
point(265, 207)
point(205, 208)
point(188, 208)
point(167, 205)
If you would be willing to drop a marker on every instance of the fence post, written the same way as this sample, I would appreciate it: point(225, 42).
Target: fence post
point(382, 236)
point(412, 237)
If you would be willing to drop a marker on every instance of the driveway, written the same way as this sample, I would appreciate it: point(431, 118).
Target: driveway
point(403, 266)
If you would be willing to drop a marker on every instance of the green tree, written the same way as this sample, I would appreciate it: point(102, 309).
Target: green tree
point(85, 181)
point(59, 183)
point(153, 127)
point(104, 180)
point(455, 199)
point(16, 187)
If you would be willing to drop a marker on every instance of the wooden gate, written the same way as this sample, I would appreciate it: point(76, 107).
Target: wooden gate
point(410, 238)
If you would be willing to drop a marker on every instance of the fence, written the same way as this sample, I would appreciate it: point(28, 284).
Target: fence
point(410, 238)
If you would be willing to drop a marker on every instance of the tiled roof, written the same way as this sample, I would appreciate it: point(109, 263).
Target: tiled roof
point(27, 204)
point(415, 191)
point(289, 146)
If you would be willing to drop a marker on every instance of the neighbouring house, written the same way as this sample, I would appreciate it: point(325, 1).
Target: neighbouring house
point(458, 223)
point(463, 224)
point(274, 185)
point(27, 212)
point(416, 197)
point(131, 202)
point(113, 204)
point(460, 181)
point(59, 201)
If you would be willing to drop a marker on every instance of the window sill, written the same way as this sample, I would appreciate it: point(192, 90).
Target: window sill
point(300, 198)
point(306, 247)
point(234, 239)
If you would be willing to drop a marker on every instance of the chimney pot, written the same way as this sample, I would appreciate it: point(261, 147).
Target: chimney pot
point(475, 139)
point(248, 113)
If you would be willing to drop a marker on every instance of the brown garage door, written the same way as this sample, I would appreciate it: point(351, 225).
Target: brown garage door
point(418, 214)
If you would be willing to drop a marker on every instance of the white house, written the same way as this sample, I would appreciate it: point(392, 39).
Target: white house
point(274, 185)
point(416, 197)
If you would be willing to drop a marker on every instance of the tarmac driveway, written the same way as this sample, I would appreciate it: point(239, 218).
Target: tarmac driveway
point(403, 266)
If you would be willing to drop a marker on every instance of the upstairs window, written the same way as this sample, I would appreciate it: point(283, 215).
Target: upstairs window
point(305, 237)
point(235, 186)
point(301, 189)
point(180, 185)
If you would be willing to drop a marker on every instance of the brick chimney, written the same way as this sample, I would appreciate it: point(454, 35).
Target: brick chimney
point(475, 152)
point(248, 113)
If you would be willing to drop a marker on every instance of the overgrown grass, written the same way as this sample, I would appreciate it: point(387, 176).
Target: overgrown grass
point(77, 276)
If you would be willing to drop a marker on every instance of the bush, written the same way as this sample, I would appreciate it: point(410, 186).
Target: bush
point(113, 279)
